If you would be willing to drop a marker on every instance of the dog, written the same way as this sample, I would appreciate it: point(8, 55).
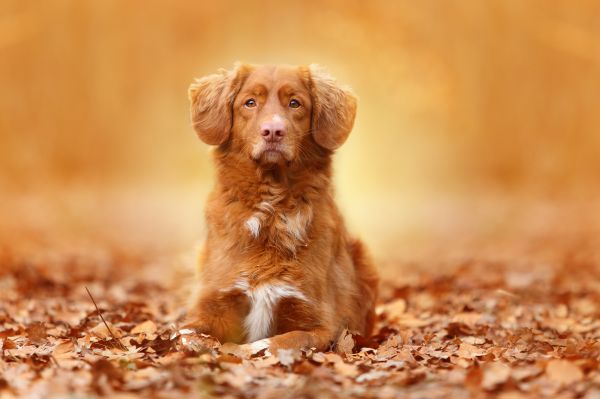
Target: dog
point(278, 268)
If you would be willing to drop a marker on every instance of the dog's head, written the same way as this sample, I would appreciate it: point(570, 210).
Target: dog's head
point(273, 114)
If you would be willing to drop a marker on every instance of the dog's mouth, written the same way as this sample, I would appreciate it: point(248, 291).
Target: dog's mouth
point(272, 153)
point(273, 147)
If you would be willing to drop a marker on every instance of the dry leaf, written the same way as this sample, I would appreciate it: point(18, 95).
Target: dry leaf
point(36, 332)
point(470, 318)
point(408, 320)
point(468, 351)
point(372, 376)
point(346, 369)
point(147, 327)
point(318, 357)
point(494, 374)
point(101, 331)
point(563, 372)
point(396, 308)
point(287, 357)
point(345, 343)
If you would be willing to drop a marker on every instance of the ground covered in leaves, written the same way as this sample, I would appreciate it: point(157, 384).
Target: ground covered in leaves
point(499, 301)
point(471, 329)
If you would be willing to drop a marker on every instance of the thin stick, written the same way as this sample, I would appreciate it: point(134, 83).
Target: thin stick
point(55, 361)
point(104, 321)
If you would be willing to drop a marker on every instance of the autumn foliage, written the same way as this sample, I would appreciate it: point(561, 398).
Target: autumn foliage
point(471, 328)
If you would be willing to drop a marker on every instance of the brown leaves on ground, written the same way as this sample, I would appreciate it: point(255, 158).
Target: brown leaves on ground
point(479, 329)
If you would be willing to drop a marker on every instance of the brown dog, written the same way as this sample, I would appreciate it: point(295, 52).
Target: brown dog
point(278, 268)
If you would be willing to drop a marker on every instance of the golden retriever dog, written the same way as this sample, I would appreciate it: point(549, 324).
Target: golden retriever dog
point(278, 268)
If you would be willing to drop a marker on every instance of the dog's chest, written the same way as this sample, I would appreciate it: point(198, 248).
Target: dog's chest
point(263, 300)
point(286, 229)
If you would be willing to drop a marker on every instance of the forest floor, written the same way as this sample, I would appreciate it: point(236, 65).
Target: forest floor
point(522, 324)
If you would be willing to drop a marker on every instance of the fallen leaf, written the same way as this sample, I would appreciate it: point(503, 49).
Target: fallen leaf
point(147, 327)
point(468, 351)
point(563, 372)
point(494, 374)
point(318, 357)
point(345, 343)
point(287, 357)
point(408, 320)
point(36, 332)
point(346, 369)
point(468, 318)
point(396, 308)
point(372, 376)
point(101, 331)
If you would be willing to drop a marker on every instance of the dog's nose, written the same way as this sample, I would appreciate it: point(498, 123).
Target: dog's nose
point(273, 130)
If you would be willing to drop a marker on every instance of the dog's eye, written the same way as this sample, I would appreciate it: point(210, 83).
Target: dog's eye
point(250, 103)
point(294, 103)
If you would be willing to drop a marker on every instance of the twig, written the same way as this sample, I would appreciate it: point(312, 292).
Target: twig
point(104, 321)
point(55, 361)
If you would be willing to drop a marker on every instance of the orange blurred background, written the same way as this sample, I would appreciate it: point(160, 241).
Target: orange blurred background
point(477, 121)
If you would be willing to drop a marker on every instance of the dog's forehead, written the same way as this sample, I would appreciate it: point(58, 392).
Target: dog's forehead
point(275, 76)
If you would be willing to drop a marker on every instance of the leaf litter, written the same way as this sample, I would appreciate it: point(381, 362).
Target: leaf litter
point(474, 330)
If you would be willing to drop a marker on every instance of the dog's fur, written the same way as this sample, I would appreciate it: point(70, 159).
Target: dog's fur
point(278, 268)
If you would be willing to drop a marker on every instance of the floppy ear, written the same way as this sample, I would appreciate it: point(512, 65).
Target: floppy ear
point(211, 100)
point(334, 108)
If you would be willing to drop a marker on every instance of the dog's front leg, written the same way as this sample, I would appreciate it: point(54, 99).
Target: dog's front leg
point(220, 315)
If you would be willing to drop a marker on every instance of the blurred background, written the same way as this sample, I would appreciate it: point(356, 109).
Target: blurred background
point(478, 126)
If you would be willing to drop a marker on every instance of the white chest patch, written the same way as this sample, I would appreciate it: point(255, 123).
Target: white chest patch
point(253, 226)
point(254, 222)
point(263, 300)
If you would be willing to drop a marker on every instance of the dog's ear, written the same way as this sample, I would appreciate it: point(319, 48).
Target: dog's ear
point(211, 99)
point(334, 108)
